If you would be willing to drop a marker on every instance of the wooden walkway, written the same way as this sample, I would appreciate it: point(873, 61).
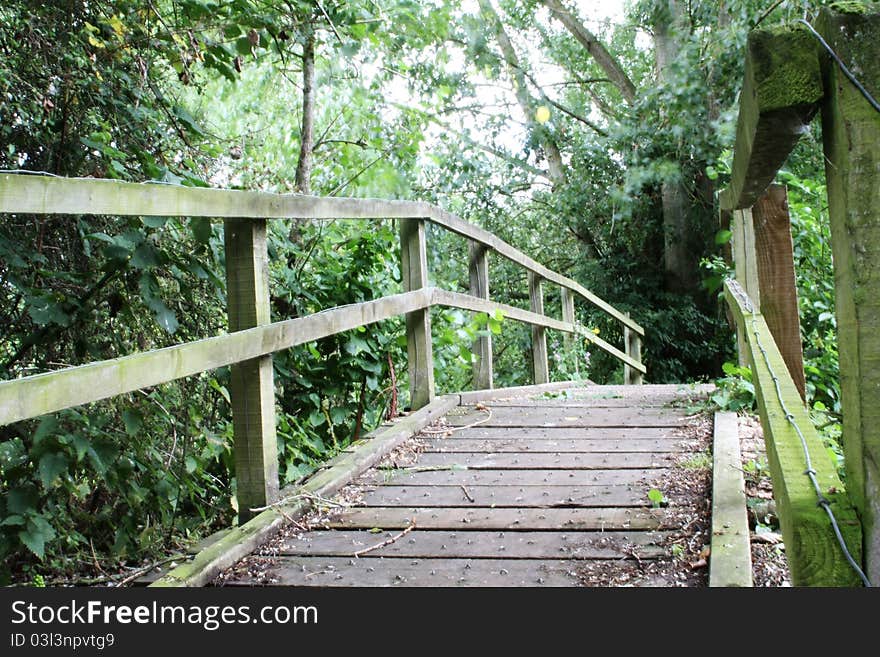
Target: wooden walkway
point(547, 491)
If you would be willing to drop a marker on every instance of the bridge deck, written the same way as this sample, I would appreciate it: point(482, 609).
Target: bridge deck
point(517, 492)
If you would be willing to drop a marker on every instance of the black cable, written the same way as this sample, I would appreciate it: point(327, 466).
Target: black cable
point(846, 71)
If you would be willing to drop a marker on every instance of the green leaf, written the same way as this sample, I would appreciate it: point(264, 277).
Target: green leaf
point(22, 500)
point(723, 237)
point(154, 222)
point(145, 257)
point(133, 421)
point(655, 496)
point(12, 454)
point(338, 414)
point(316, 418)
point(36, 534)
point(188, 121)
point(201, 228)
point(48, 426)
point(51, 466)
point(356, 345)
point(12, 520)
point(191, 464)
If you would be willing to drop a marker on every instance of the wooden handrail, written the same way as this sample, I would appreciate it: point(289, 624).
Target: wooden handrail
point(814, 557)
point(22, 193)
point(252, 340)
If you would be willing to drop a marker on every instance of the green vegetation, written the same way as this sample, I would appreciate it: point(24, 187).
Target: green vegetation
point(367, 98)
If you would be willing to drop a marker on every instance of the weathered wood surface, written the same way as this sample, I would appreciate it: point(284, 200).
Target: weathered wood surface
point(731, 557)
point(502, 477)
point(616, 433)
point(458, 544)
point(571, 417)
point(580, 519)
point(420, 354)
point(49, 195)
point(780, 96)
point(814, 556)
point(540, 364)
point(742, 244)
point(851, 133)
point(478, 275)
point(774, 260)
point(556, 446)
point(517, 520)
point(510, 496)
point(547, 460)
point(251, 386)
point(633, 347)
point(378, 572)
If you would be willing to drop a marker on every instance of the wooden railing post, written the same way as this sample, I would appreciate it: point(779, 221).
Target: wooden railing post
point(851, 132)
point(568, 339)
point(539, 333)
point(414, 271)
point(633, 347)
point(252, 392)
point(478, 270)
point(774, 259)
point(742, 243)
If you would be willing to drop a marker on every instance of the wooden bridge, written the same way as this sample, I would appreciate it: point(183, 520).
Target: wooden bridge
point(511, 488)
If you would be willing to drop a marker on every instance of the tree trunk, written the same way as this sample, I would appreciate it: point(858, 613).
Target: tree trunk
point(302, 182)
point(678, 260)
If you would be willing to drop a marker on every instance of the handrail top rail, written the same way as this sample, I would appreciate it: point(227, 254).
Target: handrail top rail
point(41, 194)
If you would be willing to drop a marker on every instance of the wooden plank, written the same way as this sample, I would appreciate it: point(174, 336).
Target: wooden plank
point(251, 388)
point(814, 557)
point(514, 496)
point(781, 92)
point(776, 279)
point(564, 461)
point(243, 539)
point(572, 519)
point(570, 417)
point(731, 556)
point(478, 273)
point(420, 354)
point(540, 366)
point(614, 434)
point(555, 446)
point(851, 132)
point(378, 572)
point(446, 544)
point(32, 396)
point(502, 477)
point(50, 195)
point(467, 302)
point(474, 396)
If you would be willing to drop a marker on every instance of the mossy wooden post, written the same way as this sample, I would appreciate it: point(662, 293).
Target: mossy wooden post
point(568, 339)
point(252, 391)
point(742, 243)
point(414, 270)
point(539, 333)
point(776, 278)
point(851, 133)
point(633, 347)
point(478, 269)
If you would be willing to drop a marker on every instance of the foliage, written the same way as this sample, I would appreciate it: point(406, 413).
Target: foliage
point(736, 392)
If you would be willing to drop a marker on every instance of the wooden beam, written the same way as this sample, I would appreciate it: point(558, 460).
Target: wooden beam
point(774, 260)
point(851, 133)
point(730, 563)
point(742, 244)
point(566, 299)
point(540, 365)
point(478, 271)
point(36, 395)
point(780, 96)
point(414, 270)
point(633, 345)
point(251, 390)
point(25, 194)
point(814, 556)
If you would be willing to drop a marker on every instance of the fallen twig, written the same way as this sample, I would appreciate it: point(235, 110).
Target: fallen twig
point(449, 429)
point(466, 494)
point(386, 542)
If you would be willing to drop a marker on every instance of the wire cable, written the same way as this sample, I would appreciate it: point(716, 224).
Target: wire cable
point(846, 71)
point(809, 471)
